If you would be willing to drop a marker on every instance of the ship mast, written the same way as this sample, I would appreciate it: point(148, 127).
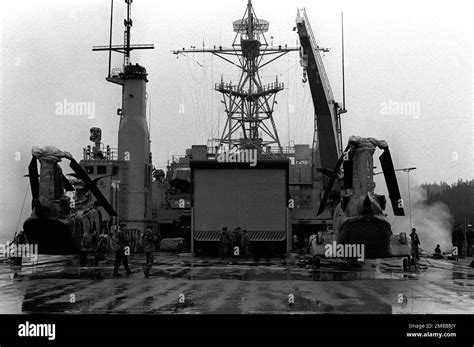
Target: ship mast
point(249, 104)
point(134, 157)
point(127, 47)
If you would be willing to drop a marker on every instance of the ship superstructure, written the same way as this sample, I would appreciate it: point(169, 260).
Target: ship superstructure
point(244, 179)
point(249, 107)
point(127, 170)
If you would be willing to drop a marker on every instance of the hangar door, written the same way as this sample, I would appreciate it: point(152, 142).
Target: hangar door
point(252, 198)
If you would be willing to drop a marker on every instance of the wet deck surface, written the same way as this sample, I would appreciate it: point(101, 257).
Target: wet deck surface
point(183, 284)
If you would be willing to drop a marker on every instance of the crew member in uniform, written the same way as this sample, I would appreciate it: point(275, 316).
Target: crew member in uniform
point(437, 253)
point(415, 244)
point(121, 243)
point(101, 248)
point(18, 240)
point(238, 240)
point(458, 239)
point(86, 247)
point(231, 241)
point(148, 248)
point(224, 243)
point(245, 243)
point(469, 239)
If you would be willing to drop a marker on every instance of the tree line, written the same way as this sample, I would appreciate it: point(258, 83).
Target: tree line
point(458, 196)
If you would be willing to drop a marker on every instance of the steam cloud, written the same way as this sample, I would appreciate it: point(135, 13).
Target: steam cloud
point(433, 222)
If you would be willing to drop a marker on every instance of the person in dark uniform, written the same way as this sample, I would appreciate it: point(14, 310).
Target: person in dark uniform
point(437, 253)
point(469, 239)
point(238, 240)
point(86, 247)
point(231, 241)
point(415, 244)
point(148, 248)
point(120, 256)
point(224, 243)
point(101, 248)
point(245, 243)
point(458, 238)
point(18, 240)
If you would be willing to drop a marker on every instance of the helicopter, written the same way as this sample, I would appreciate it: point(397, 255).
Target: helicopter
point(58, 222)
point(359, 217)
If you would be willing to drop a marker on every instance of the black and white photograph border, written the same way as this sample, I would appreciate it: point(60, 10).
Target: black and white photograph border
point(237, 158)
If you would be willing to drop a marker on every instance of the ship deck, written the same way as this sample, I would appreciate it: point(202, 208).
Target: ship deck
point(57, 284)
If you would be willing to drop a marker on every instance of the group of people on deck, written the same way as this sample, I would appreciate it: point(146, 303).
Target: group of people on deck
point(459, 238)
point(120, 245)
point(234, 243)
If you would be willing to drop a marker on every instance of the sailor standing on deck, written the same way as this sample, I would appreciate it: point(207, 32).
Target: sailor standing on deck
point(19, 239)
point(238, 240)
point(122, 246)
point(437, 253)
point(415, 244)
point(101, 248)
point(231, 241)
point(224, 243)
point(245, 243)
point(148, 248)
point(86, 247)
point(458, 239)
point(469, 239)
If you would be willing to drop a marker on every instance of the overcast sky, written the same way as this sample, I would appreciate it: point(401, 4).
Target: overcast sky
point(398, 54)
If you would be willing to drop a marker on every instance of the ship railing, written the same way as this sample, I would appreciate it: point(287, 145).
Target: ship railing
point(176, 158)
point(212, 150)
point(231, 88)
point(287, 150)
point(116, 71)
point(105, 153)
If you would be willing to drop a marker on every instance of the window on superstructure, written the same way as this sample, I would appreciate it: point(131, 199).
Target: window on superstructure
point(101, 170)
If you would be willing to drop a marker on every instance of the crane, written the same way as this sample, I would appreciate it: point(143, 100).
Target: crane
point(327, 138)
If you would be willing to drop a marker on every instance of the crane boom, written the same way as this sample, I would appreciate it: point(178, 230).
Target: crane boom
point(327, 137)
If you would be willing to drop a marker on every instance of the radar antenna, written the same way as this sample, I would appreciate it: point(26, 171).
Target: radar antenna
point(249, 104)
point(126, 48)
